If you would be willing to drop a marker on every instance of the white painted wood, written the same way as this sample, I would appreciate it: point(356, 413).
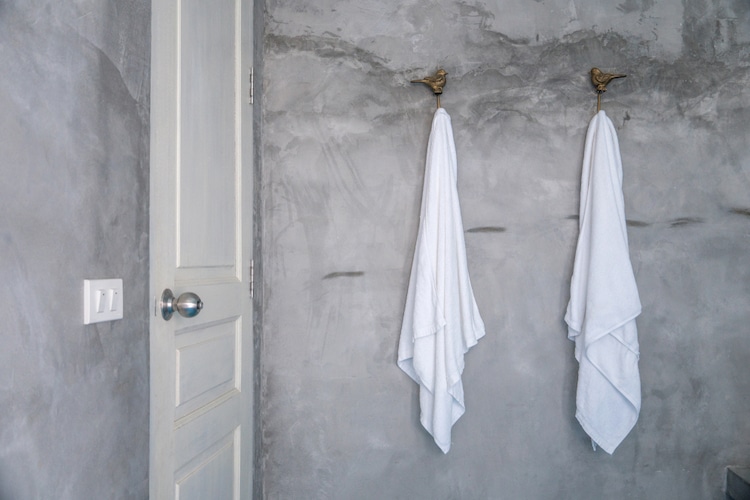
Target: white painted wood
point(201, 230)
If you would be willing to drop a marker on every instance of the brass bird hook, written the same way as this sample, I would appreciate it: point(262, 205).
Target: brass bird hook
point(435, 82)
point(600, 81)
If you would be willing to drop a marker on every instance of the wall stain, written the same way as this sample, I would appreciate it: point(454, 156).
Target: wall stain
point(685, 221)
point(343, 274)
point(487, 229)
point(698, 388)
point(662, 395)
point(325, 47)
point(635, 5)
point(740, 211)
point(485, 16)
point(636, 223)
point(628, 222)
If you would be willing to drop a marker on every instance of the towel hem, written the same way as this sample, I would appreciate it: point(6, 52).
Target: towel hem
point(606, 444)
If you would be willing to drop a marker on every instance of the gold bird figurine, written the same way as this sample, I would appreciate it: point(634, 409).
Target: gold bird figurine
point(436, 82)
point(600, 80)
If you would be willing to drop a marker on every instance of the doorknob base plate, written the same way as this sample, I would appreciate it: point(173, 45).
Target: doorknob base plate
point(166, 305)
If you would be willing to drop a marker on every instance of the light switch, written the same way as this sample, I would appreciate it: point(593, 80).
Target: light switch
point(102, 300)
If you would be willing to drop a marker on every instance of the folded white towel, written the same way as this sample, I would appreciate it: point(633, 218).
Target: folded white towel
point(604, 298)
point(441, 318)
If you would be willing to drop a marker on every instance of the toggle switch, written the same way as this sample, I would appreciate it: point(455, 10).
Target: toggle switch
point(112, 300)
point(102, 300)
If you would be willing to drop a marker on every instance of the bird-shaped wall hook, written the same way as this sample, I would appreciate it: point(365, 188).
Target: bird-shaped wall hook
point(600, 81)
point(435, 82)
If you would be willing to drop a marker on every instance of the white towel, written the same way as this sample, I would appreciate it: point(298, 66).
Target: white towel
point(604, 299)
point(441, 318)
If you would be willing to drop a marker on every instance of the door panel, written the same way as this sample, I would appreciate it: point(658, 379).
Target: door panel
point(206, 365)
point(209, 153)
point(211, 477)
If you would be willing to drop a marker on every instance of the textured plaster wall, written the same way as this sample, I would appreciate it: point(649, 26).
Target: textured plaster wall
point(344, 138)
point(73, 190)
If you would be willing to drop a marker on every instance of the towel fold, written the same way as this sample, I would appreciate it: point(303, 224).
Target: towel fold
point(441, 319)
point(604, 299)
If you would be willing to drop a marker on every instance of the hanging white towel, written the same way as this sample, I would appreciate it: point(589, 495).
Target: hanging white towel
point(604, 298)
point(441, 318)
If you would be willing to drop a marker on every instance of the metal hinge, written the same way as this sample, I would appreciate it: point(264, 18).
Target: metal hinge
point(251, 91)
point(252, 279)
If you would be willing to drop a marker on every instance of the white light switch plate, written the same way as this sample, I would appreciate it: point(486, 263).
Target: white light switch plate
point(102, 300)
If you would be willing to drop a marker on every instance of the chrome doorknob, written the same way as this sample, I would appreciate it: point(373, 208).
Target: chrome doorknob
point(187, 304)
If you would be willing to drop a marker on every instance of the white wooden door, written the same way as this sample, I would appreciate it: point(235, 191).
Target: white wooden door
point(201, 371)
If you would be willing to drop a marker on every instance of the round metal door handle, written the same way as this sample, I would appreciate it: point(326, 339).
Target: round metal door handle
point(187, 304)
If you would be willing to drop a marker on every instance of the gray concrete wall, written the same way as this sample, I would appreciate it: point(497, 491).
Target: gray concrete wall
point(343, 157)
point(74, 89)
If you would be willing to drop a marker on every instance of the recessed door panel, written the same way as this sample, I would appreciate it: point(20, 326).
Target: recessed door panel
point(208, 155)
point(207, 361)
point(211, 475)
